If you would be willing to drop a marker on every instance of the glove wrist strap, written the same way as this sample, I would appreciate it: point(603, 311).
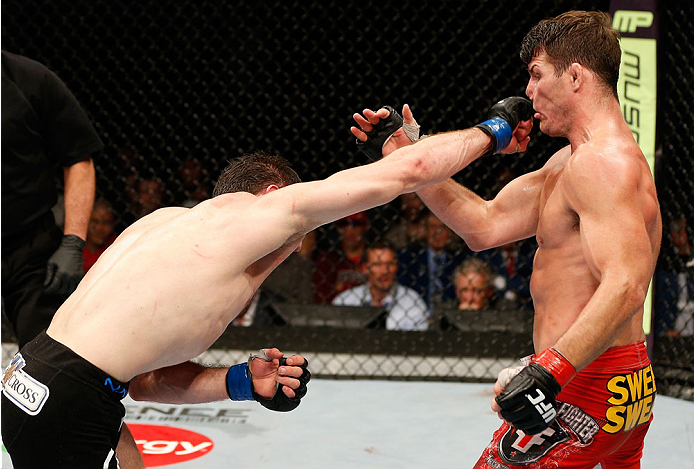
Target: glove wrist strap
point(554, 362)
point(239, 385)
point(500, 131)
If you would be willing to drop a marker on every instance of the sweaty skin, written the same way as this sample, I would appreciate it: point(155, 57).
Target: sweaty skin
point(170, 284)
point(592, 207)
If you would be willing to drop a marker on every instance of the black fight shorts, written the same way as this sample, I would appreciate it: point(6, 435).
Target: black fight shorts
point(59, 410)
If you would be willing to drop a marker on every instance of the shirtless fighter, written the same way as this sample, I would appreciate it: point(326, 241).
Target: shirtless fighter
point(586, 396)
point(168, 287)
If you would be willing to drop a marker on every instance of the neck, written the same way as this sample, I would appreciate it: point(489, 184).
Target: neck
point(593, 116)
point(378, 295)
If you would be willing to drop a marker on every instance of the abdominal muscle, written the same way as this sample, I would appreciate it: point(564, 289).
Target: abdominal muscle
point(561, 285)
point(560, 288)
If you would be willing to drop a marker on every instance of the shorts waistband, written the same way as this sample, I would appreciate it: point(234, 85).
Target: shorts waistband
point(621, 358)
point(51, 352)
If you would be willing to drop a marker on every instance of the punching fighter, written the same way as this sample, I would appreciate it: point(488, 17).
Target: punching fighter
point(586, 395)
point(169, 286)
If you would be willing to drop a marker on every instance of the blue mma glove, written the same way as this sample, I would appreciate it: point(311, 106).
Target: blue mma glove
point(504, 116)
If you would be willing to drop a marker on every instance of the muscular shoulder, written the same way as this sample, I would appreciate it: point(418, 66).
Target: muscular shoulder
point(157, 217)
point(612, 165)
point(603, 172)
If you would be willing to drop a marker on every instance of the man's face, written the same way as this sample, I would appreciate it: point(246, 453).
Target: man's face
point(150, 195)
point(100, 226)
point(472, 291)
point(438, 234)
point(549, 94)
point(381, 267)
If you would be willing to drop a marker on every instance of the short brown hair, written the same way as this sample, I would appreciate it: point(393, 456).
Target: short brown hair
point(254, 172)
point(584, 37)
point(476, 265)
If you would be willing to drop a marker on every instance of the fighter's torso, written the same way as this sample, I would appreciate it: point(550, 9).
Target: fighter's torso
point(563, 280)
point(171, 282)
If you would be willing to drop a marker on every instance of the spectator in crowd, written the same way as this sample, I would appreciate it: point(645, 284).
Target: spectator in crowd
point(407, 311)
point(292, 280)
point(474, 289)
point(100, 232)
point(410, 227)
point(429, 269)
point(130, 164)
point(675, 285)
point(194, 181)
point(341, 268)
point(149, 197)
point(513, 264)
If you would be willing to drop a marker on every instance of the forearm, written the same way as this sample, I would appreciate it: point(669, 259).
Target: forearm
point(610, 310)
point(80, 183)
point(429, 161)
point(185, 383)
point(440, 156)
point(466, 213)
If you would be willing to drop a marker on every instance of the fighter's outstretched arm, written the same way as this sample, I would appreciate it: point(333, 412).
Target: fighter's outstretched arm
point(305, 206)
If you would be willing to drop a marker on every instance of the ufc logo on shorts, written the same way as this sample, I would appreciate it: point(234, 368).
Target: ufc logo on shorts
point(545, 409)
point(524, 442)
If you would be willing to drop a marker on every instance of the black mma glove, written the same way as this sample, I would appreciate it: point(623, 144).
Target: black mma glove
point(65, 267)
point(529, 400)
point(240, 386)
point(504, 116)
point(377, 138)
point(280, 402)
point(373, 147)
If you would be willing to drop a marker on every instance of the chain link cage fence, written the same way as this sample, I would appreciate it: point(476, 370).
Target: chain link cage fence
point(177, 89)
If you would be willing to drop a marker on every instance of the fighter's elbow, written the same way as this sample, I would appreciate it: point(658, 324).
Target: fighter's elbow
point(413, 170)
point(476, 243)
point(632, 292)
point(635, 295)
point(138, 389)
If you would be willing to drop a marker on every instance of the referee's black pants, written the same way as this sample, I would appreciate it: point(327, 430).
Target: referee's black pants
point(24, 260)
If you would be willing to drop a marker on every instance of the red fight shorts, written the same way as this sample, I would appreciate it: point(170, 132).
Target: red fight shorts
point(603, 415)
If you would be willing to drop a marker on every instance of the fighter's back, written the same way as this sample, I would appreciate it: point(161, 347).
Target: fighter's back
point(172, 281)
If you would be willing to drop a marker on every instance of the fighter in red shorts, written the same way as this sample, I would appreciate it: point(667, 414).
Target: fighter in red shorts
point(586, 395)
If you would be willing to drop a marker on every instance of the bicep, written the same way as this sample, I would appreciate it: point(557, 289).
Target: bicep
point(614, 240)
point(312, 204)
point(613, 233)
point(516, 208)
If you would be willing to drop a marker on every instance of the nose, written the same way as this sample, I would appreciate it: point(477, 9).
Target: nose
point(529, 90)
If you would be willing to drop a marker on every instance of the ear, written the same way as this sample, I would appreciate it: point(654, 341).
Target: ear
point(577, 75)
point(270, 188)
